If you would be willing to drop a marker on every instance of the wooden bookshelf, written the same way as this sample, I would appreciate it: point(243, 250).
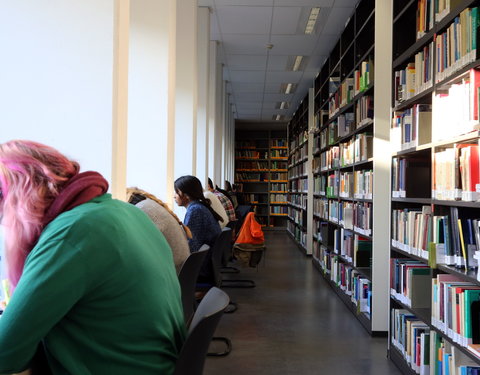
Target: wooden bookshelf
point(438, 208)
point(264, 179)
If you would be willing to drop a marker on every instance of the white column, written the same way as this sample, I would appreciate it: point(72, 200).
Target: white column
point(219, 118)
point(381, 165)
point(212, 111)
point(311, 125)
point(120, 97)
point(56, 77)
point(203, 51)
point(186, 89)
point(152, 97)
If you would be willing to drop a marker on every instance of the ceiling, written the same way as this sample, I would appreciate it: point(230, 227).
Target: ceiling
point(255, 73)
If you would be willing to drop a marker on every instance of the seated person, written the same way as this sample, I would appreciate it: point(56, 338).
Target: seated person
point(226, 202)
point(93, 279)
point(231, 193)
point(200, 218)
point(166, 221)
point(217, 207)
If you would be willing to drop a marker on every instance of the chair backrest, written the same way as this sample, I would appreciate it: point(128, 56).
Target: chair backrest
point(222, 244)
point(241, 213)
point(205, 320)
point(188, 278)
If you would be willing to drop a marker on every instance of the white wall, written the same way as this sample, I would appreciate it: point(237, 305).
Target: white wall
point(56, 77)
point(151, 103)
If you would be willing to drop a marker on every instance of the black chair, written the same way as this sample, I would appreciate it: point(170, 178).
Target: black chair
point(204, 322)
point(188, 279)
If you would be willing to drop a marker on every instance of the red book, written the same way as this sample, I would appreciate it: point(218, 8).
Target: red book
point(474, 85)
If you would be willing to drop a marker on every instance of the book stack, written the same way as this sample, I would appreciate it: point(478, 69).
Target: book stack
point(364, 110)
point(347, 152)
point(411, 127)
point(320, 184)
point(363, 184)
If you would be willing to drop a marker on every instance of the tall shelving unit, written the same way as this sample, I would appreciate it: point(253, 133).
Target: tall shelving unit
point(337, 148)
point(434, 195)
point(261, 171)
point(297, 176)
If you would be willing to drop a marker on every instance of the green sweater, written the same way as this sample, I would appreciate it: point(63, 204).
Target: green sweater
point(100, 288)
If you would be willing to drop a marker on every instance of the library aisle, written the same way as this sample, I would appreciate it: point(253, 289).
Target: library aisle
point(294, 323)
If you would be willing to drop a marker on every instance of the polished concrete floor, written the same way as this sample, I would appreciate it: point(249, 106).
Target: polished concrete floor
point(293, 323)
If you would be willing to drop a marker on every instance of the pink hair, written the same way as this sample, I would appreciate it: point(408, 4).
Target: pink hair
point(31, 176)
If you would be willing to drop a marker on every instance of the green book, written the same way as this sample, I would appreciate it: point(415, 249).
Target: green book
point(474, 27)
point(471, 296)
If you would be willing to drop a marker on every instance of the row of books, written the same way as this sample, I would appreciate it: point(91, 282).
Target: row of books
point(299, 235)
point(278, 143)
point(250, 144)
point(279, 210)
point(247, 154)
point(457, 46)
point(412, 230)
point(278, 153)
point(456, 240)
point(456, 309)
point(455, 110)
point(251, 177)
point(333, 184)
point(416, 77)
point(252, 165)
point(278, 176)
point(425, 17)
point(358, 184)
point(354, 216)
point(255, 198)
point(278, 197)
point(299, 186)
point(278, 186)
point(345, 277)
point(411, 127)
point(299, 200)
point(425, 350)
point(411, 176)
point(364, 110)
point(456, 173)
point(351, 86)
point(298, 140)
point(410, 282)
point(329, 159)
point(278, 164)
point(320, 207)
point(353, 247)
point(320, 184)
point(298, 170)
point(299, 154)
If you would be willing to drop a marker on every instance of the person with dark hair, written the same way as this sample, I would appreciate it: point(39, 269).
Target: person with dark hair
point(226, 202)
point(200, 218)
point(93, 279)
point(231, 193)
point(239, 194)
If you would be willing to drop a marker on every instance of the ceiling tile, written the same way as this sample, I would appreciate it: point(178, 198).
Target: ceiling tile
point(272, 88)
point(325, 44)
point(239, 44)
point(250, 105)
point(249, 97)
point(285, 20)
point(251, 87)
point(305, 3)
point(278, 97)
point(336, 20)
point(244, 20)
point(243, 2)
point(247, 76)
point(346, 3)
point(293, 44)
point(277, 62)
point(315, 63)
point(284, 77)
point(247, 62)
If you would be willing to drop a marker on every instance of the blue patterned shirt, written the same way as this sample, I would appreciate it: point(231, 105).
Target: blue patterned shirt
point(205, 229)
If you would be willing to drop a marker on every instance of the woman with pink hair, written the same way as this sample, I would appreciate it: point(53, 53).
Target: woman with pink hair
point(94, 280)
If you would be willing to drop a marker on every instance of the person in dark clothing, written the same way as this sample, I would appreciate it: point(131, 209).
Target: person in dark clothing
point(200, 218)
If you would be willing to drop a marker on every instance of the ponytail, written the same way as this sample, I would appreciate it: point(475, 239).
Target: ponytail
point(207, 203)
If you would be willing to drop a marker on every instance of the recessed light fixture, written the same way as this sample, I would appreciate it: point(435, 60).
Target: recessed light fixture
point(312, 19)
point(288, 88)
point(278, 117)
point(297, 63)
point(282, 105)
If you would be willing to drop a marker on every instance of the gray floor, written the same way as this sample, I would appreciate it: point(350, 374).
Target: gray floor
point(293, 323)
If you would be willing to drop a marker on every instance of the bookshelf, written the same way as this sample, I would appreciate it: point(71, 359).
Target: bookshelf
point(298, 176)
point(337, 146)
point(434, 283)
point(261, 173)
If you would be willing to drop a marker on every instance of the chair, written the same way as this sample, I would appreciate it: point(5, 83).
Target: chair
point(188, 278)
point(204, 322)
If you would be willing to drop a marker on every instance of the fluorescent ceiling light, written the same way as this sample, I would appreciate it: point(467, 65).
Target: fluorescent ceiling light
point(288, 90)
point(297, 62)
point(278, 117)
point(283, 105)
point(312, 19)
